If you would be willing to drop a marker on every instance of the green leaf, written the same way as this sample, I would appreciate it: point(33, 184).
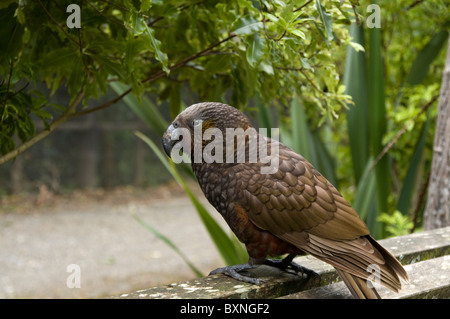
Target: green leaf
point(412, 176)
point(6, 3)
point(138, 25)
point(301, 135)
point(255, 49)
point(426, 56)
point(76, 78)
point(309, 144)
point(175, 100)
point(145, 5)
point(10, 33)
point(355, 82)
point(358, 47)
point(265, 67)
point(305, 63)
point(271, 17)
point(264, 115)
point(279, 21)
point(247, 25)
point(26, 128)
point(396, 224)
point(6, 144)
point(377, 115)
point(325, 162)
point(113, 67)
point(326, 20)
point(364, 202)
point(298, 33)
point(43, 114)
point(156, 45)
point(57, 58)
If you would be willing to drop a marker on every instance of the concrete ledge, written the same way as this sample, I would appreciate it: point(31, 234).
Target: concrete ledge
point(426, 252)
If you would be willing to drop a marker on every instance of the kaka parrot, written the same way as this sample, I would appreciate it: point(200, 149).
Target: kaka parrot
point(291, 210)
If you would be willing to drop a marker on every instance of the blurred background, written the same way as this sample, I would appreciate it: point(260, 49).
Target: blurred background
point(98, 150)
point(353, 87)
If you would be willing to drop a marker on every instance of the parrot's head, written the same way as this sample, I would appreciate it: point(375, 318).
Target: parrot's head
point(201, 118)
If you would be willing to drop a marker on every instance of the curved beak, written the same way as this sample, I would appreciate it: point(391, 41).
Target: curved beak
point(167, 140)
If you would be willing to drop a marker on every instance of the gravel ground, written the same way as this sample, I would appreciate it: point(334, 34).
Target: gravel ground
point(40, 238)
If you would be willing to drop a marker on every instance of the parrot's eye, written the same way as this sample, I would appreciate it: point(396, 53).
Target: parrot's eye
point(196, 123)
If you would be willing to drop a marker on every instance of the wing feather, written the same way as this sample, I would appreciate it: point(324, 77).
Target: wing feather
point(299, 194)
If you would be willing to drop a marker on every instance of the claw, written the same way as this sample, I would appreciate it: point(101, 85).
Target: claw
point(283, 264)
point(287, 263)
point(233, 272)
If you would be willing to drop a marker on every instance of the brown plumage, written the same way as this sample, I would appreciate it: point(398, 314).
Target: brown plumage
point(294, 210)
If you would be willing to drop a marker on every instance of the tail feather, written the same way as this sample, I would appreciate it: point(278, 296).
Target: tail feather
point(390, 260)
point(357, 261)
point(358, 287)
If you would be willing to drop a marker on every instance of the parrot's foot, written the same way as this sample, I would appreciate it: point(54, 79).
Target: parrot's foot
point(233, 272)
point(287, 263)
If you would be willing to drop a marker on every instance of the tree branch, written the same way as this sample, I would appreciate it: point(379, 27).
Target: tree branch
point(155, 77)
point(401, 132)
point(420, 203)
point(103, 106)
point(24, 146)
point(301, 7)
point(412, 5)
point(199, 54)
